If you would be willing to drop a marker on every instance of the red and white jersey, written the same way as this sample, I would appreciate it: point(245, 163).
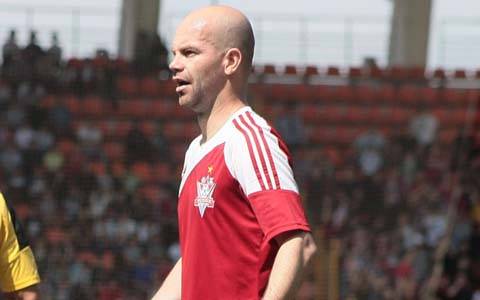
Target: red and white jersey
point(237, 193)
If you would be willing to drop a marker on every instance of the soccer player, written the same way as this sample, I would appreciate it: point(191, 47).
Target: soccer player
point(243, 232)
point(18, 271)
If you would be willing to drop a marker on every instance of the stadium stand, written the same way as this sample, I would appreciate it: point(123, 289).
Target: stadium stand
point(91, 152)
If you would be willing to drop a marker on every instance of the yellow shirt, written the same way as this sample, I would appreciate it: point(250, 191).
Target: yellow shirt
point(18, 269)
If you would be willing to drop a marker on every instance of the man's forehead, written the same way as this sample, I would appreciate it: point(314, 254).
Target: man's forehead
point(192, 32)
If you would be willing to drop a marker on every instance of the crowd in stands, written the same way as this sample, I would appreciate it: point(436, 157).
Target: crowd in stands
point(99, 231)
point(95, 235)
point(387, 203)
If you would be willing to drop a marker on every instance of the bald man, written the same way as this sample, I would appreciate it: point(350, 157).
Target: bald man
point(243, 232)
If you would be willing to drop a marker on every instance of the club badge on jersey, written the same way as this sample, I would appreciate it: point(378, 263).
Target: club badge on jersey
point(205, 187)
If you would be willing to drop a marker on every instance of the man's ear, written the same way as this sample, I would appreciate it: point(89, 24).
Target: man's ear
point(233, 59)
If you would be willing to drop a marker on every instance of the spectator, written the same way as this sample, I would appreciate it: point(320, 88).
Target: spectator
point(369, 147)
point(423, 127)
point(55, 52)
point(290, 126)
point(10, 49)
point(137, 146)
point(32, 52)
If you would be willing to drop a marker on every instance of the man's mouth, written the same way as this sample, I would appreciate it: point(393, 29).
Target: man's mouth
point(181, 84)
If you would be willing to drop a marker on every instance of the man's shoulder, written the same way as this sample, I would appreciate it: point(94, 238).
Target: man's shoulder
point(249, 121)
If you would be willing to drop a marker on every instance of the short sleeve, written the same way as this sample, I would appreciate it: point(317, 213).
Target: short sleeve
point(18, 269)
point(259, 160)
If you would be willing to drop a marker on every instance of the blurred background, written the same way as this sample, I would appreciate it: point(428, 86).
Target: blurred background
point(377, 100)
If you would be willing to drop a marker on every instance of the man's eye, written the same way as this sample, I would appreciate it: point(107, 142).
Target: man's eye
point(190, 53)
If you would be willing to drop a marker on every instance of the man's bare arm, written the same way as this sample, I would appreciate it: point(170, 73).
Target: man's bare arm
point(171, 288)
point(29, 293)
point(296, 251)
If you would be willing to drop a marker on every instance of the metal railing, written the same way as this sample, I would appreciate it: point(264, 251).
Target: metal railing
point(281, 39)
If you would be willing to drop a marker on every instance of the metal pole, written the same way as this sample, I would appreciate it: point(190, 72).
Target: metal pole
point(75, 31)
point(303, 36)
point(29, 19)
point(443, 42)
point(348, 47)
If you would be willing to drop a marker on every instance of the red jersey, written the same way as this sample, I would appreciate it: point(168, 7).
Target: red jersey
point(237, 193)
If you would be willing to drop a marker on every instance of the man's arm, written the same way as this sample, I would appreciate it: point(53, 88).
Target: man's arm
point(29, 293)
point(171, 288)
point(296, 250)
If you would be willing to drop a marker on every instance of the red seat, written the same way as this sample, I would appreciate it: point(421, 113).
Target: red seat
point(335, 114)
point(269, 69)
point(121, 65)
point(322, 134)
point(460, 74)
point(408, 94)
point(416, 73)
point(149, 87)
point(333, 71)
point(142, 171)
point(135, 108)
point(97, 168)
point(281, 92)
point(381, 114)
point(428, 95)
point(447, 136)
point(311, 71)
point(442, 114)
point(92, 106)
point(458, 117)
point(148, 128)
point(472, 96)
point(311, 113)
point(118, 168)
point(73, 105)
point(365, 94)
point(321, 93)
point(161, 172)
point(397, 73)
point(75, 63)
point(354, 72)
point(127, 86)
point(453, 96)
point(386, 93)
point(400, 115)
point(356, 114)
point(303, 93)
point(343, 93)
point(376, 72)
point(115, 151)
point(477, 74)
point(122, 128)
point(439, 74)
point(161, 108)
point(290, 70)
point(66, 147)
point(191, 130)
point(167, 88)
point(48, 101)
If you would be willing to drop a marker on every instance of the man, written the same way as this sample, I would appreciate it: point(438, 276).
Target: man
point(18, 271)
point(243, 233)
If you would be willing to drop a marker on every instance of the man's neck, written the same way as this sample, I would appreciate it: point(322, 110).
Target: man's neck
point(210, 123)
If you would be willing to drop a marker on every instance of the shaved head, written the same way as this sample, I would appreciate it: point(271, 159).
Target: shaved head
point(224, 27)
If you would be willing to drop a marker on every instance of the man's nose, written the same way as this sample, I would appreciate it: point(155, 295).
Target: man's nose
point(175, 65)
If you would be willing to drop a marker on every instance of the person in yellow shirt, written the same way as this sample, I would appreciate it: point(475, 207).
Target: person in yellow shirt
point(18, 270)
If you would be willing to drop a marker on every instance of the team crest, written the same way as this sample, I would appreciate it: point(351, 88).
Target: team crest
point(205, 188)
